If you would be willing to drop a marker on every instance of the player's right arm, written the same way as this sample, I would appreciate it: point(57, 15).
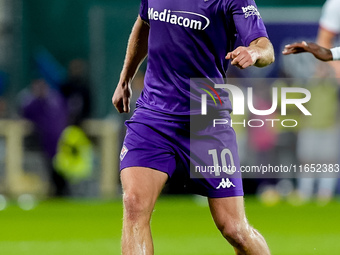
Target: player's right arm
point(135, 54)
point(318, 51)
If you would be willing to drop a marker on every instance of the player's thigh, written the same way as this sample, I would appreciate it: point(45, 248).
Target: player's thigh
point(228, 212)
point(141, 187)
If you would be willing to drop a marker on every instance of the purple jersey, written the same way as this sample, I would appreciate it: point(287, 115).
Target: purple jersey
point(190, 39)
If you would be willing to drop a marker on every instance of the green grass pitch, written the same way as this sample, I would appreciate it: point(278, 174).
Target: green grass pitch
point(180, 225)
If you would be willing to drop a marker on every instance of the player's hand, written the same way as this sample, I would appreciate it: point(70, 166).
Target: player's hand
point(121, 97)
point(319, 52)
point(296, 48)
point(243, 57)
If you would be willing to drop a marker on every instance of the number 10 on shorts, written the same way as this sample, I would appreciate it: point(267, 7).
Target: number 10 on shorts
point(225, 167)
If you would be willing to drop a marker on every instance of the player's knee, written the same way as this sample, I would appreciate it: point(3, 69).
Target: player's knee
point(236, 233)
point(135, 207)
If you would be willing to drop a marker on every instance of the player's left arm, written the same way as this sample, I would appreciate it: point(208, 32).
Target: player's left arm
point(259, 53)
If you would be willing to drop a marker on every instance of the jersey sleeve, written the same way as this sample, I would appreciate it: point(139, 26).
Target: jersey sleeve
point(330, 16)
point(143, 11)
point(247, 19)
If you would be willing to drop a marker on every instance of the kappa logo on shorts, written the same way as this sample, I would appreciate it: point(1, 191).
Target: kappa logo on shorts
point(123, 152)
point(225, 183)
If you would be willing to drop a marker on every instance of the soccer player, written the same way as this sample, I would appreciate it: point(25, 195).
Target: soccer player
point(324, 50)
point(329, 28)
point(184, 40)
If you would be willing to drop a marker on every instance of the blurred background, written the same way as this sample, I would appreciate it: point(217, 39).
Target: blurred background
point(60, 136)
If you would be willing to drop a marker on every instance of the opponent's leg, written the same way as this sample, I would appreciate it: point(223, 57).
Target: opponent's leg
point(141, 187)
point(229, 216)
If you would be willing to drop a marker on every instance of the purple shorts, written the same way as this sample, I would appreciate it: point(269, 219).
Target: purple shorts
point(207, 155)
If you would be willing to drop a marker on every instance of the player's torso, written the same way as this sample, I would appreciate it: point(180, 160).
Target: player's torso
point(190, 39)
point(187, 39)
point(184, 31)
